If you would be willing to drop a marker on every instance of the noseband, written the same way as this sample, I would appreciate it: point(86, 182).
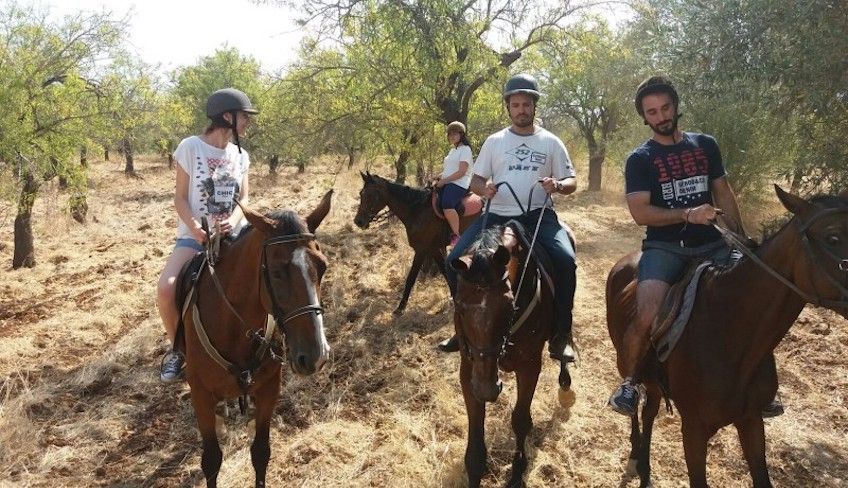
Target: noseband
point(280, 317)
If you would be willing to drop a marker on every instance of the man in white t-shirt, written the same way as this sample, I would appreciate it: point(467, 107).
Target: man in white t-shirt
point(525, 155)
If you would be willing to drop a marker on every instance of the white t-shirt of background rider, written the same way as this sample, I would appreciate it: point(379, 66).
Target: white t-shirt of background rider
point(452, 160)
point(215, 177)
point(521, 161)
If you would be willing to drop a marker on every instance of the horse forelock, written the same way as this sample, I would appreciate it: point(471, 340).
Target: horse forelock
point(288, 222)
point(482, 270)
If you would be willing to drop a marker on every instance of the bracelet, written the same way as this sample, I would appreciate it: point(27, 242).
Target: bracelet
point(686, 215)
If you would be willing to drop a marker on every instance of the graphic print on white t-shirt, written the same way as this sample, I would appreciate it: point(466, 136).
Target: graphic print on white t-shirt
point(219, 189)
point(525, 158)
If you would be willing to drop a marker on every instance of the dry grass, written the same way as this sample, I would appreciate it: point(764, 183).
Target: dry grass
point(80, 403)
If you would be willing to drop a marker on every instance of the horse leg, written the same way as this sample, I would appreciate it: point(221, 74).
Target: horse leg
point(260, 451)
point(695, 439)
point(204, 410)
point(522, 422)
point(410, 280)
point(649, 413)
point(475, 451)
point(753, 439)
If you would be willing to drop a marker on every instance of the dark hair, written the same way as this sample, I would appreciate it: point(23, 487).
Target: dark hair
point(463, 139)
point(653, 85)
point(218, 122)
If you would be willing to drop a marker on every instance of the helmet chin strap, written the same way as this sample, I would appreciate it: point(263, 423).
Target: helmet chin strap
point(234, 126)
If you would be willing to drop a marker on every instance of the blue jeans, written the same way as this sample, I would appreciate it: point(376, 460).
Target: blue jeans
point(187, 242)
point(666, 261)
point(553, 238)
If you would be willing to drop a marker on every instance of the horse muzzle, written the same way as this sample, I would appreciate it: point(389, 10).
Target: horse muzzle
point(361, 222)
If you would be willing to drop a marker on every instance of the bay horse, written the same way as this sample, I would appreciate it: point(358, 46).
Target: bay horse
point(498, 330)
point(722, 372)
point(426, 233)
point(232, 350)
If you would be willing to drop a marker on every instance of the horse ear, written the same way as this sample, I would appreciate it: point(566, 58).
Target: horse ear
point(461, 264)
point(262, 223)
point(794, 204)
point(501, 256)
point(364, 177)
point(314, 219)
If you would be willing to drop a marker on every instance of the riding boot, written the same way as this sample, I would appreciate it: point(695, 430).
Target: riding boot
point(449, 345)
point(561, 347)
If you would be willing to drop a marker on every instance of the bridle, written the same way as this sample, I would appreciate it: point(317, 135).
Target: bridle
point(803, 228)
point(265, 340)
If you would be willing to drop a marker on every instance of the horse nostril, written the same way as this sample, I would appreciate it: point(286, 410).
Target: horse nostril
point(301, 362)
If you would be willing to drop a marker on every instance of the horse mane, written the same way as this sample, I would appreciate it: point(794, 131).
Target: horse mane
point(481, 250)
point(288, 222)
point(407, 194)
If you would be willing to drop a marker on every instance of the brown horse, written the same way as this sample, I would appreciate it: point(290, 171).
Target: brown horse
point(722, 372)
point(274, 267)
point(499, 330)
point(427, 234)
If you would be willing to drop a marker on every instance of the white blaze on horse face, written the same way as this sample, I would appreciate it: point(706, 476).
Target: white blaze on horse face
point(300, 260)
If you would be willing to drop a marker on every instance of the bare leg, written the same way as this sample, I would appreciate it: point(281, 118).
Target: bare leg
point(166, 296)
point(649, 298)
point(453, 219)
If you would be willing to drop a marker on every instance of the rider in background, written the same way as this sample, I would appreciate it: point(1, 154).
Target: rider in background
point(523, 155)
point(211, 175)
point(455, 179)
point(673, 180)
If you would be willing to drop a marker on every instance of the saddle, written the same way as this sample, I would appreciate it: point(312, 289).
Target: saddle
point(186, 282)
point(676, 310)
point(472, 204)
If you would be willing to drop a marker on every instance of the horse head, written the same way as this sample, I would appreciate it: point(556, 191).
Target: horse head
point(372, 199)
point(821, 268)
point(484, 304)
point(292, 267)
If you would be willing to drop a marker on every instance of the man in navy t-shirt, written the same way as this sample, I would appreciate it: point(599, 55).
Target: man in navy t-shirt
point(676, 186)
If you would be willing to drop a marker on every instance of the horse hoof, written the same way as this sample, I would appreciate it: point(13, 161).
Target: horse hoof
point(630, 469)
point(566, 398)
point(397, 312)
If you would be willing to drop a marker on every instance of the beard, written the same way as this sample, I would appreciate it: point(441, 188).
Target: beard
point(666, 127)
point(523, 120)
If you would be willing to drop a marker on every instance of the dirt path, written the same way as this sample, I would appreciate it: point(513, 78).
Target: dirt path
point(80, 342)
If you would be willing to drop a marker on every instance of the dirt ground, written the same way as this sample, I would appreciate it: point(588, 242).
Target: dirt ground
point(81, 341)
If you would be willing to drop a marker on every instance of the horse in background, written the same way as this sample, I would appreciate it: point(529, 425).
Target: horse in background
point(426, 233)
point(232, 350)
point(502, 327)
point(721, 371)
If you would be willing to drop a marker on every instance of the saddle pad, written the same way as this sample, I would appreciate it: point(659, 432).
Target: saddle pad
point(675, 312)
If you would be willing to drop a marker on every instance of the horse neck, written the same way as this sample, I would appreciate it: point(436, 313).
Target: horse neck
point(758, 309)
point(405, 210)
point(241, 259)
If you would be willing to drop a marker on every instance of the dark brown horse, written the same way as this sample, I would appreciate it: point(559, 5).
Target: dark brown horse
point(427, 234)
point(232, 350)
point(498, 330)
point(721, 371)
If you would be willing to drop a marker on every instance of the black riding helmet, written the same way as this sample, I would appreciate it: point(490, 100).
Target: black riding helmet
point(521, 83)
point(652, 86)
point(228, 100)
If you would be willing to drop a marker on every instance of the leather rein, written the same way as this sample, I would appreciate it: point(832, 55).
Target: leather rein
point(265, 340)
point(802, 228)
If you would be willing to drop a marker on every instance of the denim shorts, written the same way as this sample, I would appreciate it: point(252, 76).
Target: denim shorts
point(666, 261)
point(452, 195)
point(190, 243)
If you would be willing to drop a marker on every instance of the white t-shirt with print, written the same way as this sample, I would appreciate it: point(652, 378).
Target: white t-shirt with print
point(521, 161)
point(215, 177)
point(452, 160)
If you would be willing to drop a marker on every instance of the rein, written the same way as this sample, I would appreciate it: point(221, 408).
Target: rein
point(499, 350)
point(244, 376)
point(732, 239)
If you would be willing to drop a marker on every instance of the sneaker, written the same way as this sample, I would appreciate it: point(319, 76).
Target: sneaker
point(172, 367)
point(454, 240)
point(449, 345)
point(560, 348)
point(625, 399)
point(773, 409)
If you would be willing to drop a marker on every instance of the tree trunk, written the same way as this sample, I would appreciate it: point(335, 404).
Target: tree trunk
point(84, 156)
point(797, 179)
point(106, 153)
point(24, 253)
point(596, 163)
point(351, 157)
point(274, 163)
point(129, 168)
point(420, 173)
point(170, 160)
point(400, 167)
point(301, 166)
